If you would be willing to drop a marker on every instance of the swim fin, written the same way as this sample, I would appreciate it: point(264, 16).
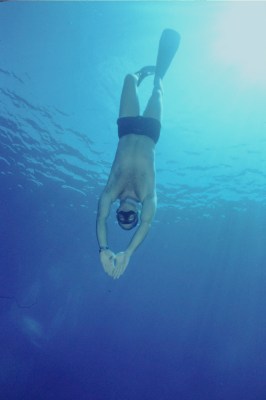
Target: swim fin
point(168, 46)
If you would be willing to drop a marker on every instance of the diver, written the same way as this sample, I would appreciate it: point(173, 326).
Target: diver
point(132, 176)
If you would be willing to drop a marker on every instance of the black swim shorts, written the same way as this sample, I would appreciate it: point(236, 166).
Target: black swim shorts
point(139, 125)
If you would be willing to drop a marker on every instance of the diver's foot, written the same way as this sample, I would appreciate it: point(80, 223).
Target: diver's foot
point(144, 72)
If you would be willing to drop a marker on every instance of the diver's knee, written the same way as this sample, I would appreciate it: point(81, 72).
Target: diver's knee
point(130, 79)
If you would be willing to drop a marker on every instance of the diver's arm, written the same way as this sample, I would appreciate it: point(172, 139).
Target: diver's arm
point(147, 215)
point(104, 206)
point(139, 236)
point(107, 257)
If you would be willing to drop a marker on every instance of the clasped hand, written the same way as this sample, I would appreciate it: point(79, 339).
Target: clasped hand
point(114, 264)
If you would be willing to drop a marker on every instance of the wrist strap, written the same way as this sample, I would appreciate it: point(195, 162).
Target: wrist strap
point(101, 248)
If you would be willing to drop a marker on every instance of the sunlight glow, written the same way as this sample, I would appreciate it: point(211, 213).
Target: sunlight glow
point(240, 42)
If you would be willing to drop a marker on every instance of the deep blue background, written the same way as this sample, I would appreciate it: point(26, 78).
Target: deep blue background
point(187, 319)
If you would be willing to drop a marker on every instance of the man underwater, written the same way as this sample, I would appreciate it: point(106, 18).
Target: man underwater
point(132, 176)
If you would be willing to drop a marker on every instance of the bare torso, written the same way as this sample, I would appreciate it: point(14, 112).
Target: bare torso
point(133, 173)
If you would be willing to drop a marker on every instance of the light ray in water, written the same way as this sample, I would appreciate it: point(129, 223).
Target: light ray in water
point(240, 40)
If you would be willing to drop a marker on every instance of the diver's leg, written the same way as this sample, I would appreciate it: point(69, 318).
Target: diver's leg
point(154, 106)
point(129, 102)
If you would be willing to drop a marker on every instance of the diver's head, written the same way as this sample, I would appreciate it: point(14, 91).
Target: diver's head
point(127, 214)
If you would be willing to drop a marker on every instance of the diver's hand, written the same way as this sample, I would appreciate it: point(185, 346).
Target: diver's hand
point(107, 258)
point(121, 262)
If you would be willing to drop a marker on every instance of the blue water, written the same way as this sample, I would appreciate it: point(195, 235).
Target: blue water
point(187, 319)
